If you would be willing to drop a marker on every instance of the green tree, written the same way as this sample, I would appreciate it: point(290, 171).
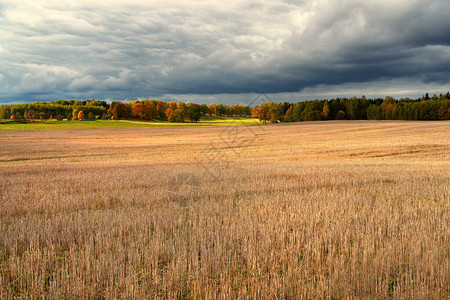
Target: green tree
point(297, 110)
point(374, 112)
point(221, 109)
point(204, 109)
point(18, 116)
point(352, 108)
point(179, 115)
point(193, 112)
point(275, 113)
point(313, 111)
point(75, 113)
point(340, 115)
point(4, 112)
point(335, 106)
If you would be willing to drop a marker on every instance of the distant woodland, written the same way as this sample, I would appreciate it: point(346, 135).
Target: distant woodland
point(424, 108)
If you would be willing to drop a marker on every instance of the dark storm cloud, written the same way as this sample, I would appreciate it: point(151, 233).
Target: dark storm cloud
point(117, 50)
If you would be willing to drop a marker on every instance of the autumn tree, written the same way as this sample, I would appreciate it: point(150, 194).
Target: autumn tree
point(80, 115)
point(424, 108)
point(161, 108)
point(169, 114)
point(387, 110)
point(255, 112)
point(30, 115)
point(288, 115)
point(270, 112)
point(263, 112)
point(444, 111)
point(173, 105)
point(325, 111)
point(121, 111)
point(137, 110)
point(240, 110)
point(212, 109)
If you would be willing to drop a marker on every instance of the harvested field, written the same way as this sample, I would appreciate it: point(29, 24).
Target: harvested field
point(315, 209)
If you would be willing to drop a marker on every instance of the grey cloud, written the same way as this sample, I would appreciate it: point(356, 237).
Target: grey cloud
point(135, 50)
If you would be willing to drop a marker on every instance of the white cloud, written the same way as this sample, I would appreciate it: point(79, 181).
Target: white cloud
point(85, 83)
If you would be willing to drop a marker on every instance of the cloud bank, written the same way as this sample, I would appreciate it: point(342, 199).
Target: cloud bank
point(229, 50)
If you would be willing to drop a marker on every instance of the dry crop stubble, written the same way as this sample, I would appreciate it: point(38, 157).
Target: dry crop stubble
point(321, 209)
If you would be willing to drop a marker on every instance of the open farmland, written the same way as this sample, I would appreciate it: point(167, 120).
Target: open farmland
point(315, 209)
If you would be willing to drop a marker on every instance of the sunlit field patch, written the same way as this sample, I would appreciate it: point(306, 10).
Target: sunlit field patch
point(53, 124)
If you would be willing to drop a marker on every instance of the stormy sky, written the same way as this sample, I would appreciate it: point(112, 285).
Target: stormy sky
point(222, 51)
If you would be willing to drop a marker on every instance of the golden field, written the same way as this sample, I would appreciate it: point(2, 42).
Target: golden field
point(337, 209)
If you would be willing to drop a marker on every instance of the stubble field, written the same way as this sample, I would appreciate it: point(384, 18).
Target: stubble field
point(319, 210)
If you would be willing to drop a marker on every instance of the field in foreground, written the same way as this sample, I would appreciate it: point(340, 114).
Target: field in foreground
point(324, 209)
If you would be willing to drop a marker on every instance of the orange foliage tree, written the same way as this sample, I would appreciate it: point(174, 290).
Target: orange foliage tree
point(137, 110)
point(169, 114)
point(141, 111)
point(212, 109)
point(161, 108)
point(173, 105)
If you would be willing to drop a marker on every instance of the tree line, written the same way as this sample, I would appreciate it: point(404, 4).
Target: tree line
point(425, 108)
point(61, 109)
point(117, 110)
point(354, 108)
